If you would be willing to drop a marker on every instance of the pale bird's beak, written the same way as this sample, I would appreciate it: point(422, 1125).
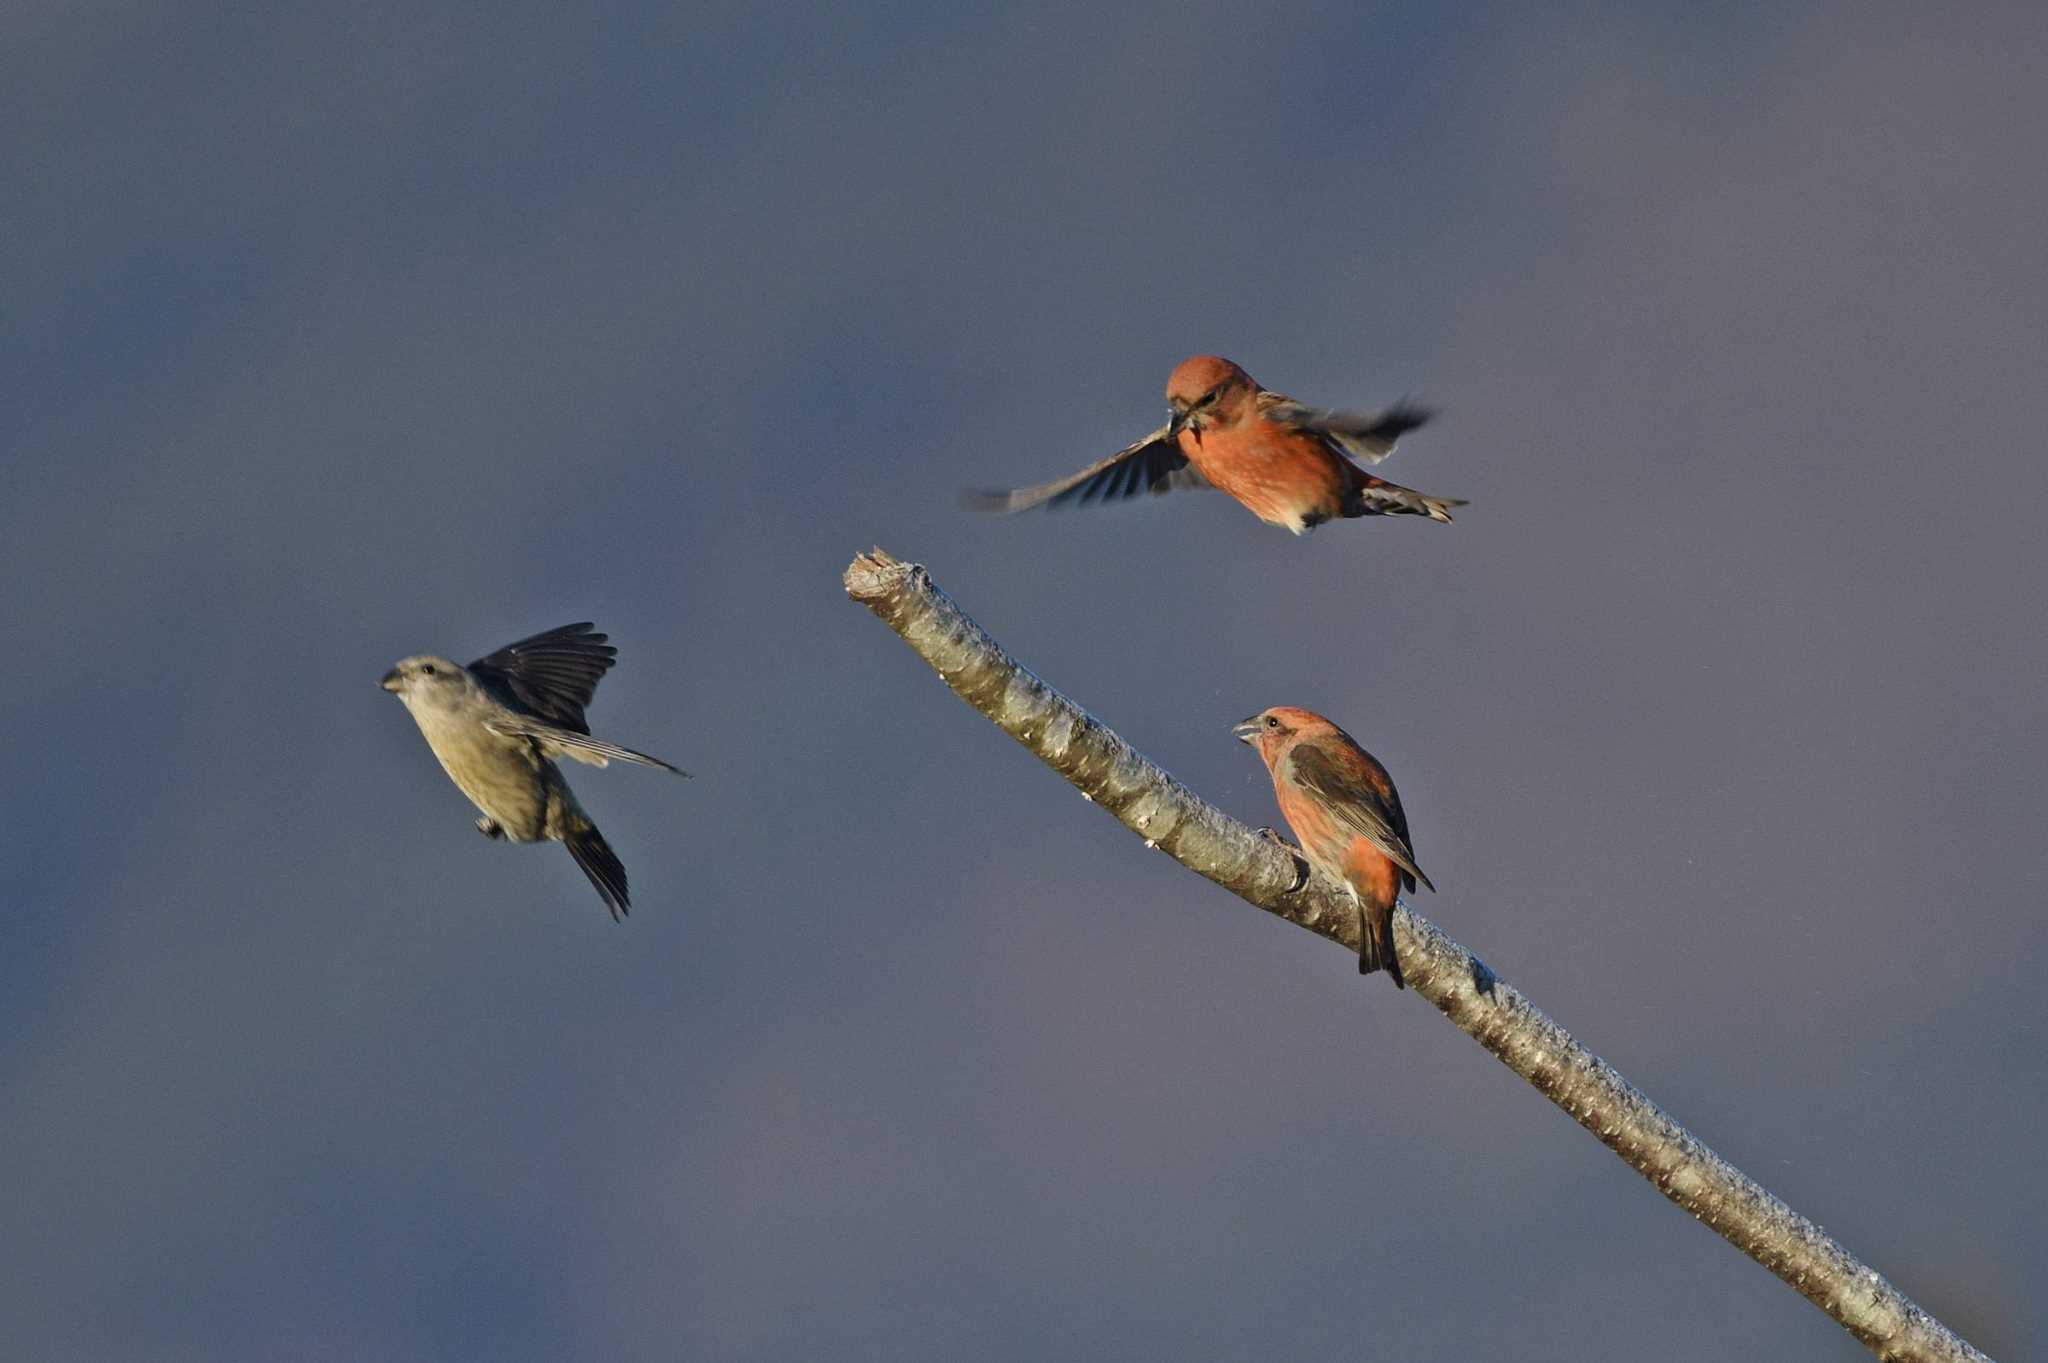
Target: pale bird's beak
point(1248, 730)
point(390, 682)
point(1176, 419)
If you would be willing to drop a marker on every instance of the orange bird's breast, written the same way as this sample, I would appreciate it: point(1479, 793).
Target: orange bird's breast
point(1284, 477)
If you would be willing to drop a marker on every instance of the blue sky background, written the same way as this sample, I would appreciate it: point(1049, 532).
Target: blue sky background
point(332, 336)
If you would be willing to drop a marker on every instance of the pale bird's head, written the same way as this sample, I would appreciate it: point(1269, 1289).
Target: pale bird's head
point(425, 680)
point(1204, 391)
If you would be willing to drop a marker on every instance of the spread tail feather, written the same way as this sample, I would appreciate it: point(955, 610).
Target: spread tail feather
point(1378, 497)
point(601, 864)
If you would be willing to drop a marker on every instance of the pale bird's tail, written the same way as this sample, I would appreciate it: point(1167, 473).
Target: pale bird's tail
point(600, 863)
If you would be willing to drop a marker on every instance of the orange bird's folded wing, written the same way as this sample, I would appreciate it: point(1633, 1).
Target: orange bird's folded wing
point(1359, 803)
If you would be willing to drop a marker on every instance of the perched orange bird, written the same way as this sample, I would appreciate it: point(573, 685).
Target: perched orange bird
point(1290, 465)
point(1341, 804)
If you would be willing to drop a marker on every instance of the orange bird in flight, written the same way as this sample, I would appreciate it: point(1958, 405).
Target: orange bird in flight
point(1342, 805)
point(1290, 465)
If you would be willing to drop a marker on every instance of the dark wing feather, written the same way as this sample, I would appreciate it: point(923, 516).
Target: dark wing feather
point(1360, 807)
point(1154, 464)
point(552, 674)
point(1365, 436)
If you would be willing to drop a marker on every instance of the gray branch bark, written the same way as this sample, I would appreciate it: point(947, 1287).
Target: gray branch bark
point(1172, 818)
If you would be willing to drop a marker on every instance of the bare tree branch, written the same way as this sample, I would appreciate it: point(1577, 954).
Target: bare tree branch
point(1202, 838)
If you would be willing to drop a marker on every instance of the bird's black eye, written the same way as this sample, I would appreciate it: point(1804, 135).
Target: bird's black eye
point(1271, 722)
point(427, 668)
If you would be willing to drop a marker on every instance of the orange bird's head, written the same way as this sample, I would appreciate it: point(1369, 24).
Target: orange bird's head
point(1273, 731)
point(1207, 390)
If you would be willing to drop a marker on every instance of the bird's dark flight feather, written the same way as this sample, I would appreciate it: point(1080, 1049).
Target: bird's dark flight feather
point(1153, 464)
point(552, 674)
point(1365, 436)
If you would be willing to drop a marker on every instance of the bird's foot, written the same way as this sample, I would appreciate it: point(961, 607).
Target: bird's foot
point(489, 828)
point(1300, 865)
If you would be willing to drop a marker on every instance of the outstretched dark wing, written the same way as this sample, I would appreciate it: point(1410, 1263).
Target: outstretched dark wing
point(552, 675)
point(1365, 436)
point(1360, 805)
point(1154, 464)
